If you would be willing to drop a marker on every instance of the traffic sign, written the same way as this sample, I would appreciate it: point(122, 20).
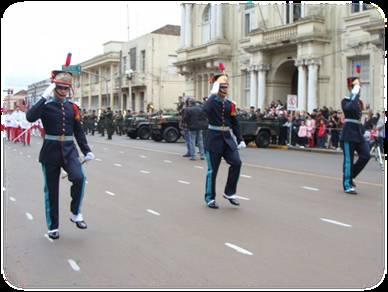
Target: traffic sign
point(292, 102)
point(74, 69)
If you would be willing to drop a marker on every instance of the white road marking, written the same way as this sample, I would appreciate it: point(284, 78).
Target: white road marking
point(110, 193)
point(167, 161)
point(122, 152)
point(238, 249)
point(46, 235)
point(145, 171)
point(14, 149)
point(12, 199)
point(142, 156)
point(197, 166)
point(336, 222)
point(242, 198)
point(97, 159)
point(74, 265)
point(117, 164)
point(183, 182)
point(246, 176)
point(29, 216)
point(28, 156)
point(310, 189)
point(290, 171)
point(153, 212)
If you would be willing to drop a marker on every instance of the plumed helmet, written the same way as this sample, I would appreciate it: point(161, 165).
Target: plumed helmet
point(62, 78)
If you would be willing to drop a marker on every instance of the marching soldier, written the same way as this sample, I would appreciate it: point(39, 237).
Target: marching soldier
point(62, 122)
point(109, 123)
point(221, 113)
point(352, 138)
point(92, 122)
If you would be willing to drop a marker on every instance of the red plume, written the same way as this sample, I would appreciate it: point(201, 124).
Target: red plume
point(68, 60)
point(221, 66)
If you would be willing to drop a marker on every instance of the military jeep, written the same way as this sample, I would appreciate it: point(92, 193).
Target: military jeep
point(138, 126)
point(262, 131)
point(166, 126)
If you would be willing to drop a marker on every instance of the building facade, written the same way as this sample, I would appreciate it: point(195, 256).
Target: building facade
point(35, 91)
point(11, 101)
point(272, 51)
point(130, 75)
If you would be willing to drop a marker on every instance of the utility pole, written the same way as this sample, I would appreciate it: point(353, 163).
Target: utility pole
point(120, 81)
point(128, 21)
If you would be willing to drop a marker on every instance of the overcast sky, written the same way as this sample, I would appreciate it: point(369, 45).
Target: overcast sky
point(36, 36)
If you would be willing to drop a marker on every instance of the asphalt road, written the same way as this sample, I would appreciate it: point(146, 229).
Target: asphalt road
point(148, 225)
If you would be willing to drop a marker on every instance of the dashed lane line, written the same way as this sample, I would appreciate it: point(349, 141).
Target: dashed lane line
point(153, 212)
point(238, 249)
point(29, 216)
point(284, 170)
point(336, 222)
point(310, 188)
point(183, 182)
point(74, 265)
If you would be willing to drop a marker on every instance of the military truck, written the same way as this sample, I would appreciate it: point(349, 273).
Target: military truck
point(262, 131)
point(138, 126)
point(166, 126)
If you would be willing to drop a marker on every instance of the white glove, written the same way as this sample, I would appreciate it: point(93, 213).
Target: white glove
point(89, 156)
point(215, 88)
point(241, 145)
point(48, 91)
point(356, 89)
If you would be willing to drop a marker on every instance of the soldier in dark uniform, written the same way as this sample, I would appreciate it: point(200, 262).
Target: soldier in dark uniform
point(352, 138)
point(221, 113)
point(93, 122)
point(62, 122)
point(85, 121)
point(101, 123)
point(109, 123)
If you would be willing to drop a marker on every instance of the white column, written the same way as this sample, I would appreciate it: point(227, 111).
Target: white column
point(188, 38)
point(312, 102)
point(183, 31)
point(99, 88)
point(205, 84)
point(213, 24)
point(219, 32)
point(198, 94)
point(253, 92)
point(302, 81)
point(263, 68)
point(111, 87)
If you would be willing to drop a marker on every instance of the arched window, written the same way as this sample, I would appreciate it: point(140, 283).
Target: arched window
point(206, 25)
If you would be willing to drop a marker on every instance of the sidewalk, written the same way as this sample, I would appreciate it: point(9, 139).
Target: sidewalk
point(319, 150)
point(298, 148)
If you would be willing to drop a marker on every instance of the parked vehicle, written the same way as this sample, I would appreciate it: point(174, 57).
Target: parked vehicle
point(261, 131)
point(138, 126)
point(166, 126)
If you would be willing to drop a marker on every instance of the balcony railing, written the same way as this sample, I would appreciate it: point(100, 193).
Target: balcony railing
point(280, 34)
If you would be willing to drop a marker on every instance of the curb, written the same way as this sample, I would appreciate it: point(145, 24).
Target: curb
point(318, 150)
point(295, 148)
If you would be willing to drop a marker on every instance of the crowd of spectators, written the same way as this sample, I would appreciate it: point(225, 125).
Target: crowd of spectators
point(321, 128)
